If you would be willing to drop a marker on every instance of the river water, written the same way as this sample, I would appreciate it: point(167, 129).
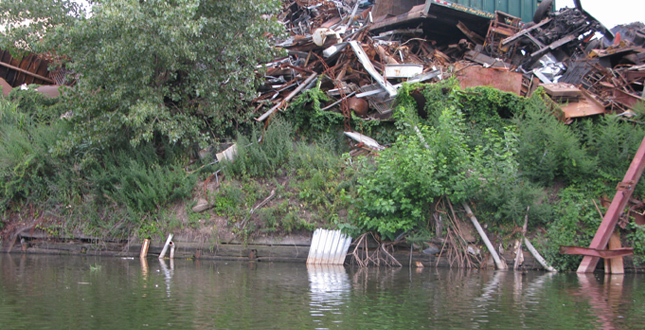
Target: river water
point(66, 292)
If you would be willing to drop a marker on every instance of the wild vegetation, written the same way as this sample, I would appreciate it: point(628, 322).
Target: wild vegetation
point(117, 154)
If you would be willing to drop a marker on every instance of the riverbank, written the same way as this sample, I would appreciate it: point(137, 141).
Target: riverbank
point(292, 248)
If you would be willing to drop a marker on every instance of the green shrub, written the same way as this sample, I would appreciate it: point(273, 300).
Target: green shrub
point(28, 170)
point(137, 179)
point(257, 158)
point(614, 141)
point(548, 149)
point(636, 239)
point(575, 222)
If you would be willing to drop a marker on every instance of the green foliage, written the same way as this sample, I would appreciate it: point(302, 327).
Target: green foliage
point(550, 150)
point(437, 97)
point(488, 108)
point(257, 158)
point(309, 120)
point(306, 113)
point(27, 168)
point(614, 142)
point(179, 71)
point(636, 239)
point(575, 223)
point(423, 165)
point(138, 180)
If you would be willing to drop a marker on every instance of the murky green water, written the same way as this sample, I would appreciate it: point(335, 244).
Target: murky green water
point(52, 292)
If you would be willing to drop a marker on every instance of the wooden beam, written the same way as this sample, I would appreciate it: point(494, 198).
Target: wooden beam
point(29, 73)
point(614, 265)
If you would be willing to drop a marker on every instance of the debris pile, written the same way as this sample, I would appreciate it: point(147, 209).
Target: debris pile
point(360, 54)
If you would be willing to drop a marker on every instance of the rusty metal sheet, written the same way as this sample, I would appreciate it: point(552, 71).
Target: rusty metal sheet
point(561, 90)
point(30, 69)
point(504, 80)
point(573, 101)
point(583, 108)
point(616, 253)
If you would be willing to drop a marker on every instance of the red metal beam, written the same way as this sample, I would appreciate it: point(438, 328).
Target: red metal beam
point(625, 190)
point(621, 252)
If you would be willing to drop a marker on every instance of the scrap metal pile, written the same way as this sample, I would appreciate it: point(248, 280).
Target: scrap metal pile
point(361, 61)
point(361, 52)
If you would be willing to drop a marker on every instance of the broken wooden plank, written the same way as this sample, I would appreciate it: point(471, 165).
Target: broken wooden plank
point(614, 265)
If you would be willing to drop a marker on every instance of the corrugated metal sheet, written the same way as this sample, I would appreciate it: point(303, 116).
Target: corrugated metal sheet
point(519, 8)
point(484, 8)
point(29, 69)
point(328, 247)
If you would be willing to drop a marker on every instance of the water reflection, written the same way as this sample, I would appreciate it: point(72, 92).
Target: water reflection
point(329, 286)
point(168, 273)
point(38, 292)
point(605, 298)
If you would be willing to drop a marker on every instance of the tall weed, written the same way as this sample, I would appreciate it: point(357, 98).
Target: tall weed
point(138, 179)
point(548, 149)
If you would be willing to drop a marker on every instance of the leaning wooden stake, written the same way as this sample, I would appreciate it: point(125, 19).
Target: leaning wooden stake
point(538, 257)
point(519, 256)
point(144, 248)
point(165, 247)
point(498, 262)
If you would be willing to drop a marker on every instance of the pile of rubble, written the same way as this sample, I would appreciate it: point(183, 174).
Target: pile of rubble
point(361, 52)
point(362, 55)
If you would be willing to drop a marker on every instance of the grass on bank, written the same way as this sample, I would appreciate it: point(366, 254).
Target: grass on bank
point(494, 149)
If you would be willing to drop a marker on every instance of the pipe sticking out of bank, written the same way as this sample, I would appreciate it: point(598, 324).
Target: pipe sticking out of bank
point(144, 248)
point(165, 247)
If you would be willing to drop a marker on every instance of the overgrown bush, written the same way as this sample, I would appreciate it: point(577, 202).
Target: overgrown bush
point(262, 157)
point(574, 224)
point(548, 149)
point(29, 172)
point(425, 164)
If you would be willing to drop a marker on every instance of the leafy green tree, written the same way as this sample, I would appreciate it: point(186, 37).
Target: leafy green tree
point(178, 70)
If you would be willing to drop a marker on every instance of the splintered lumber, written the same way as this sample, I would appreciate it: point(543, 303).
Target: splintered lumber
point(498, 262)
point(288, 98)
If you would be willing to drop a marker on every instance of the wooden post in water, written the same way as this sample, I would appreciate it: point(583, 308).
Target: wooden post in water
point(165, 247)
point(172, 250)
point(144, 248)
point(498, 262)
